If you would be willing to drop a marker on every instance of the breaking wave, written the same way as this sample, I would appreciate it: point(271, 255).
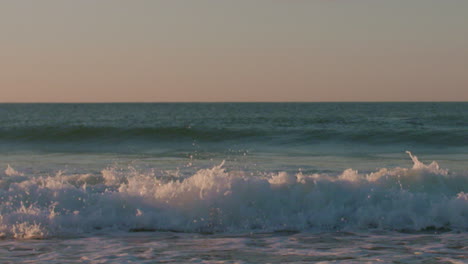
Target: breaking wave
point(424, 197)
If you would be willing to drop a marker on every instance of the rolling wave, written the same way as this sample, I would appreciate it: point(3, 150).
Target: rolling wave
point(110, 134)
point(421, 198)
point(86, 133)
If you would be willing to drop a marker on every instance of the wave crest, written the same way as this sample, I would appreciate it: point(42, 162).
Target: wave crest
point(217, 200)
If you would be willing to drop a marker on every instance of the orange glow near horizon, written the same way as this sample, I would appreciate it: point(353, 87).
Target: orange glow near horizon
point(179, 51)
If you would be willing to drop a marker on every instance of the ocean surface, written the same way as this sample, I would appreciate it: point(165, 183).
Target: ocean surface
point(234, 183)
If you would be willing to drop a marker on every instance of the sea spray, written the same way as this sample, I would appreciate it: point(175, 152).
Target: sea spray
point(219, 200)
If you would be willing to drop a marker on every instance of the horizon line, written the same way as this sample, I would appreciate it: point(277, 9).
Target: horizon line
point(220, 102)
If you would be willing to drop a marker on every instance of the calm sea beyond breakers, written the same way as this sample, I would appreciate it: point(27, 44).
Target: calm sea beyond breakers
point(234, 183)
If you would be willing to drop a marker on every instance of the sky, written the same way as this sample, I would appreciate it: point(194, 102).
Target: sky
point(233, 50)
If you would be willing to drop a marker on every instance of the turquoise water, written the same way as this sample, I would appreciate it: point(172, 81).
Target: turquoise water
point(149, 128)
point(234, 182)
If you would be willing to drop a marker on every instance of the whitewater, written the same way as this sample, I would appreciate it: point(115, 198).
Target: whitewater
point(234, 183)
point(214, 200)
point(230, 205)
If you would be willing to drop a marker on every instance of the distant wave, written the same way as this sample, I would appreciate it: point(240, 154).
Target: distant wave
point(87, 133)
point(109, 134)
point(421, 198)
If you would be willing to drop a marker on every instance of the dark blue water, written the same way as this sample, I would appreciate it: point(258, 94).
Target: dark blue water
point(274, 136)
point(124, 128)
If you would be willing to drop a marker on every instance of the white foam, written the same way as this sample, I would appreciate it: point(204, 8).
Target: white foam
point(12, 172)
point(216, 200)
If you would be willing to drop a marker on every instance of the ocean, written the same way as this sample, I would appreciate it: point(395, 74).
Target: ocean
point(234, 183)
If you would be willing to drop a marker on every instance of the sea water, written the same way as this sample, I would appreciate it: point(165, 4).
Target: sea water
point(234, 183)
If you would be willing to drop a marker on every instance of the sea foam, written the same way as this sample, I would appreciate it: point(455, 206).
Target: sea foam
point(424, 197)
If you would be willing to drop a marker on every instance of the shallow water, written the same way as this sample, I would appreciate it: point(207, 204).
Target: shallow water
point(291, 247)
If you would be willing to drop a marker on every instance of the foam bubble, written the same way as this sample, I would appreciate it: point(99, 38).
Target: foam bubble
point(216, 200)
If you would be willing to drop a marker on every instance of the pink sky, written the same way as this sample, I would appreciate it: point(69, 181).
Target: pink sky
point(238, 50)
